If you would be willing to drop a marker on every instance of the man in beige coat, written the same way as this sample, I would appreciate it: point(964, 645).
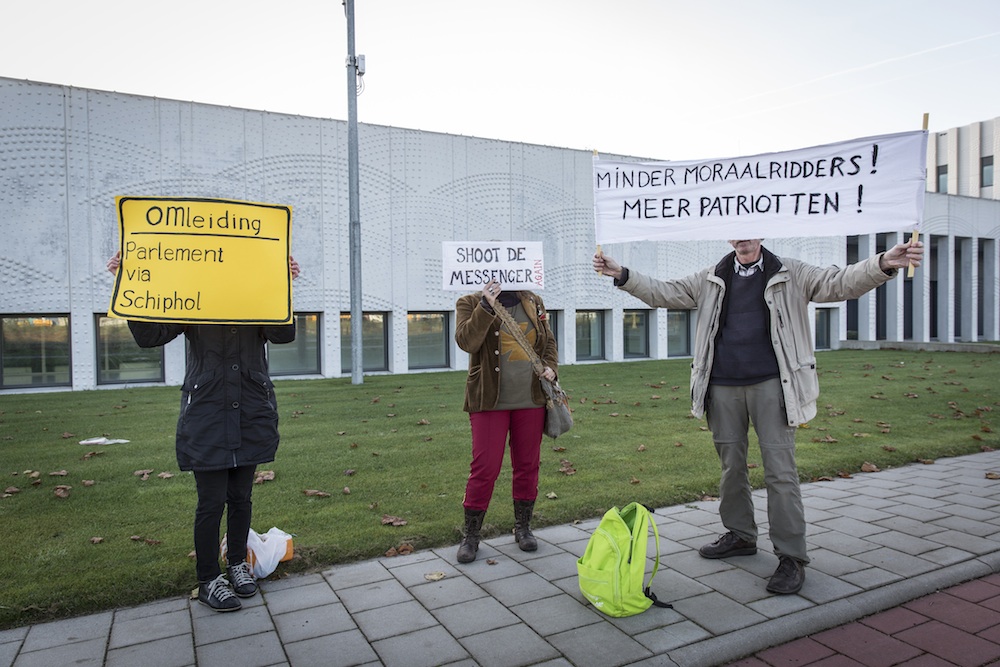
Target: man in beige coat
point(754, 361)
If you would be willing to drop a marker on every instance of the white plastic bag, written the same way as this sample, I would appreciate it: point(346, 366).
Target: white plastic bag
point(264, 552)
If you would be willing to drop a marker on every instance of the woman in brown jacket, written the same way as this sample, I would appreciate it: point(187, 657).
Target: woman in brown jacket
point(503, 397)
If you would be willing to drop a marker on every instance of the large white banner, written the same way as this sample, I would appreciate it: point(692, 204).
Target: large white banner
point(470, 265)
point(862, 186)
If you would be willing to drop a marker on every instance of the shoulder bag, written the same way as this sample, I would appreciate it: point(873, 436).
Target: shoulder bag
point(558, 418)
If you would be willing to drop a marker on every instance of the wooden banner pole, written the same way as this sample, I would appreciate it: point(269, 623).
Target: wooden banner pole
point(915, 236)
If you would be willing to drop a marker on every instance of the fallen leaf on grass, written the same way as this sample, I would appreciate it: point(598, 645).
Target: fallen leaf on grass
point(559, 448)
point(317, 493)
point(89, 455)
point(551, 495)
point(142, 474)
point(62, 491)
point(165, 475)
point(263, 476)
point(423, 422)
point(640, 448)
point(88, 482)
point(96, 540)
point(346, 491)
point(12, 490)
point(58, 473)
point(566, 468)
point(67, 435)
point(888, 448)
point(926, 462)
point(389, 520)
point(869, 467)
point(825, 438)
point(634, 480)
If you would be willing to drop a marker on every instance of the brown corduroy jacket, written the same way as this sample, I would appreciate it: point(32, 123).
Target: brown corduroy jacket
point(477, 331)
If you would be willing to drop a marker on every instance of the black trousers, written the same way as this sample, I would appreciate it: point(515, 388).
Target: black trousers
point(220, 490)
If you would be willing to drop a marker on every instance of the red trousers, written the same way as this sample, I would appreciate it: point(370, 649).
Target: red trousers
point(489, 438)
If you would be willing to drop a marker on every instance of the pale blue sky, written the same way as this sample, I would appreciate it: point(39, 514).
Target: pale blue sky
point(667, 79)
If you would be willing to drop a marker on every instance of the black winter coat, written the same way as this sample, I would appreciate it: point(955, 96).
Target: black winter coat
point(229, 414)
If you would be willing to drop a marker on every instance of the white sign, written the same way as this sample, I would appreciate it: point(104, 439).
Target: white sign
point(862, 186)
point(469, 265)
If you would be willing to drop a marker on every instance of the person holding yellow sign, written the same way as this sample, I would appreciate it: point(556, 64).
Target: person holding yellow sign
point(228, 425)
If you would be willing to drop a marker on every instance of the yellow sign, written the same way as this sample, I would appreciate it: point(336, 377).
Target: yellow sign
point(203, 261)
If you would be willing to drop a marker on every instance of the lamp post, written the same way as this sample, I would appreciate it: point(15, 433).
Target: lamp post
point(357, 358)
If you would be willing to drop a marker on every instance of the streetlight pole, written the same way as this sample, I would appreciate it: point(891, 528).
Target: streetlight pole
point(357, 358)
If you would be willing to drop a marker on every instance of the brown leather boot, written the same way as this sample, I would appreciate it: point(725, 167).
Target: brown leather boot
point(470, 539)
point(522, 525)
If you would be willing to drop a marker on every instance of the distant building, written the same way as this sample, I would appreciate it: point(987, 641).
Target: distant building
point(66, 152)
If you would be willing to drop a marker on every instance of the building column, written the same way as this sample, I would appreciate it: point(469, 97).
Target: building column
point(990, 288)
point(969, 325)
point(943, 288)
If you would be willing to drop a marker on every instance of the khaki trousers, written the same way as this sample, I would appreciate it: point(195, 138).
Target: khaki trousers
point(730, 411)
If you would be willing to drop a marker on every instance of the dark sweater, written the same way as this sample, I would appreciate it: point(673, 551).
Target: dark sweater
point(743, 351)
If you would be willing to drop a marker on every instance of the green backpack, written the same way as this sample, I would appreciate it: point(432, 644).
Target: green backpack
point(612, 568)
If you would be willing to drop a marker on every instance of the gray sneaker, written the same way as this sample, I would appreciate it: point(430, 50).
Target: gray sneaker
point(728, 545)
point(217, 595)
point(242, 580)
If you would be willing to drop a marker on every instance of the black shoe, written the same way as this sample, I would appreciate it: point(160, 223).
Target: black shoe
point(217, 595)
point(242, 580)
point(728, 545)
point(789, 576)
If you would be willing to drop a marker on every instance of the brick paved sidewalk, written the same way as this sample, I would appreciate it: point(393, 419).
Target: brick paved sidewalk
point(956, 626)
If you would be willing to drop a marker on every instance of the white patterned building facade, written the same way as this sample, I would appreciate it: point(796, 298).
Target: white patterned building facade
point(66, 153)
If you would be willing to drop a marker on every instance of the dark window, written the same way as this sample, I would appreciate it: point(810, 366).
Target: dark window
point(427, 340)
point(374, 342)
point(35, 351)
point(589, 335)
point(302, 355)
point(636, 333)
point(119, 357)
point(678, 333)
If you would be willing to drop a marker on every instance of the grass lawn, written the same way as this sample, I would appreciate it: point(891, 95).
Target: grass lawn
point(399, 446)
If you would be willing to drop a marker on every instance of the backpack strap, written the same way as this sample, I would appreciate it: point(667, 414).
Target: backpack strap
point(656, 563)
